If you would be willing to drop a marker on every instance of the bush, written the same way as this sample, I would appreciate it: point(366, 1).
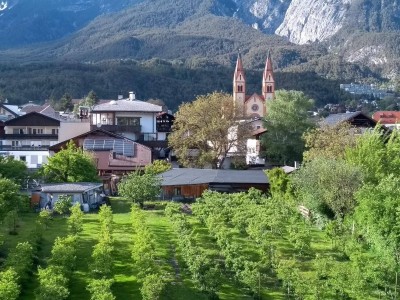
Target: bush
point(63, 204)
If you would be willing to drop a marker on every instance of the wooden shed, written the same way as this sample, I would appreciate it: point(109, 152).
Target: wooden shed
point(191, 183)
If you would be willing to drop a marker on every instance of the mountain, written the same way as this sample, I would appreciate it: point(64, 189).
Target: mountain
point(334, 40)
point(23, 22)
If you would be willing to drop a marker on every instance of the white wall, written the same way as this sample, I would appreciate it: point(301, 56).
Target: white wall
point(69, 130)
point(33, 159)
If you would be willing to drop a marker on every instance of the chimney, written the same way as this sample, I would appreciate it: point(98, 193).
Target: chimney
point(131, 96)
point(120, 97)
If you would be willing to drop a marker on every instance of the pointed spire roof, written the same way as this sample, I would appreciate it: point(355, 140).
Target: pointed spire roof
point(268, 65)
point(239, 66)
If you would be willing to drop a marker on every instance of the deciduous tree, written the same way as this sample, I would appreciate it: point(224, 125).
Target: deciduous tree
point(207, 129)
point(140, 187)
point(286, 122)
point(15, 170)
point(329, 141)
point(71, 164)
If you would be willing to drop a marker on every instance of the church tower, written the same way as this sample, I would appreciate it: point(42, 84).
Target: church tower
point(239, 83)
point(268, 82)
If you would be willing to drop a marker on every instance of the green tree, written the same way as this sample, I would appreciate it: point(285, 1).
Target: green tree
point(63, 204)
point(9, 196)
point(328, 186)
point(52, 284)
point(9, 287)
point(286, 122)
point(91, 99)
point(158, 167)
point(329, 141)
point(153, 285)
point(15, 170)
point(206, 129)
point(75, 220)
point(376, 154)
point(11, 220)
point(65, 103)
point(100, 289)
point(140, 187)
point(71, 164)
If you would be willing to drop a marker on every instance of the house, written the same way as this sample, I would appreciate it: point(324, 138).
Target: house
point(134, 119)
point(8, 112)
point(29, 136)
point(87, 194)
point(390, 119)
point(357, 119)
point(114, 154)
point(191, 183)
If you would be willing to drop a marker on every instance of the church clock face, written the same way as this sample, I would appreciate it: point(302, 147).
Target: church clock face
point(254, 107)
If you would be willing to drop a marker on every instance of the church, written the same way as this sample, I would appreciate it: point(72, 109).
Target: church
point(255, 105)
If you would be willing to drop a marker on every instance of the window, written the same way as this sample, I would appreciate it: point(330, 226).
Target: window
point(128, 121)
point(269, 89)
point(177, 191)
point(16, 143)
point(22, 158)
point(54, 131)
point(254, 107)
point(240, 88)
point(37, 131)
point(18, 131)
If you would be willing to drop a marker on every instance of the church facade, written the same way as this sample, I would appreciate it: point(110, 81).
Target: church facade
point(255, 105)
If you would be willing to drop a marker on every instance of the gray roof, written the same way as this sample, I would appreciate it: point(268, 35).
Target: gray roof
point(77, 187)
point(183, 176)
point(13, 108)
point(127, 105)
point(336, 119)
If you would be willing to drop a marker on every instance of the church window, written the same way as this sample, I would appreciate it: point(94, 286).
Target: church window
point(254, 107)
point(269, 77)
point(240, 88)
point(269, 89)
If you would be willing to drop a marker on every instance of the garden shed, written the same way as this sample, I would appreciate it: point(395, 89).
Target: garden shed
point(90, 193)
point(191, 183)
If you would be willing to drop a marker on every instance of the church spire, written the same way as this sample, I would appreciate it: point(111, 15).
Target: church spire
point(239, 82)
point(268, 82)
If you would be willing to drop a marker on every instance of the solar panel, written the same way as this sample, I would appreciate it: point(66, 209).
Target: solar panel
point(118, 146)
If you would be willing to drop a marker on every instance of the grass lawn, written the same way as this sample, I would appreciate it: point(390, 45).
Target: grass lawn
point(126, 284)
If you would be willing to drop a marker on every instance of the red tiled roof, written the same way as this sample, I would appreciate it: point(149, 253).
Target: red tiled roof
point(387, 117)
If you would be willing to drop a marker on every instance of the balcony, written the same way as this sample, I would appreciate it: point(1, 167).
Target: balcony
point(118, 128)
point(23, 148)
point(19, 136)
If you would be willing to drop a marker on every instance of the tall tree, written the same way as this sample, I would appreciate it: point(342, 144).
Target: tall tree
point(207, 129)
point(286, 121)
point(91, 99)
point(71, 164)
point(65, 103)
